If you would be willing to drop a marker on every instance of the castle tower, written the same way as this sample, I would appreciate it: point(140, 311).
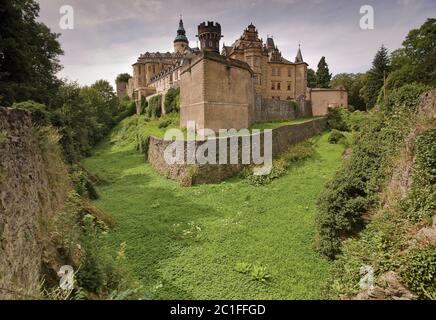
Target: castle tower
point(210, 36)
point(299, 57)
point(181, 42)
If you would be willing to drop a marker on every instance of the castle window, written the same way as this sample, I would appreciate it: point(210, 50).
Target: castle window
point(289, 72)
point(279, 86)
point(289, 86)
point(273, 86)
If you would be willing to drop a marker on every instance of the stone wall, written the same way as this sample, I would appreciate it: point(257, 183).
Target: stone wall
point(33, 185)
point(191, 174)
point(322, 99)
point(215, 92)
point(266, 110)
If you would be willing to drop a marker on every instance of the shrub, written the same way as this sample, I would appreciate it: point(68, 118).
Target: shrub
point(421, 200)
point(337, 119)
point(127, 109)
point(40, 114)
point(353, 190)
point(154, 107)
point(82, 183)
point(296, 153)
point(172, 100)
point(293, 105)
point(336, 136)
point(406, 96)
point(164, 124)
point(419, 271)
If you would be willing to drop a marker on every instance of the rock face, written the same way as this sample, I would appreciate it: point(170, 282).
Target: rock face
point(429, 233)
point(32, 190)
point(389, 288)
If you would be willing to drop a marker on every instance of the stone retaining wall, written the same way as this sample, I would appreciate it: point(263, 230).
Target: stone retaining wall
point(190, 174)
point(266, 110)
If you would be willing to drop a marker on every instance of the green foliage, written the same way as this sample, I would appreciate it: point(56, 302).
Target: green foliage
point(172, 100)
point(336, 137)
point(227, 213)
point(83, 116)
point(40, 114)
point(419, 271)
point(164, 124)
point(259, 273)
point(123, 77)
point(421, 200)
point(353, 83)
point(127, 108)
point(379, 246)
point(406, 96)
point(337, 118)
point(311, 78)
point(143, 106)
point(29, 57)
point(354, 189)
point(419, 48)
point(357, 119)
point(243, 267)
point(299, 152)
point(293, 105)
point(375, 77)
point(323, 75)
point(82, 183)
point(154, 109)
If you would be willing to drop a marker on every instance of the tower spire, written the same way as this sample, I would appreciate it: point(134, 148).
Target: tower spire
point(181, 41)
point(299, 57)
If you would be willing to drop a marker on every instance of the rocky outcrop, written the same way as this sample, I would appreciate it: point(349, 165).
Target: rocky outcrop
point(33, 186)
point(389, 288)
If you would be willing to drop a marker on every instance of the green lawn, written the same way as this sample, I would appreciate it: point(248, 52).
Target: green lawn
point(184, 243)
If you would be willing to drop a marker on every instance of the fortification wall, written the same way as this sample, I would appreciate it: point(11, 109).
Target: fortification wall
point(266, 110)
point(192, 174)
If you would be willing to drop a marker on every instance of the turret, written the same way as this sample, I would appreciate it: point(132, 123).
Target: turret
point(210, 36)
point(299, 57)
point(181, 42)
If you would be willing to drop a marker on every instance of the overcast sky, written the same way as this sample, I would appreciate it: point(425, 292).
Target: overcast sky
point(109, 35)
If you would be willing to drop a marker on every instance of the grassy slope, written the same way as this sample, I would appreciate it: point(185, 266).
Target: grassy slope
point(184, 243)
point(280, 123)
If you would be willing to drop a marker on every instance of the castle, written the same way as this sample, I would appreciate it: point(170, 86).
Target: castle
point(249, 81)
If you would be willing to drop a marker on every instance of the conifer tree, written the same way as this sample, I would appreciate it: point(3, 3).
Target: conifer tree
point(323, 75)
point(375, 77)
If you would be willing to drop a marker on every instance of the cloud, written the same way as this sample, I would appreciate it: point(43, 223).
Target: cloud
point(109, 35)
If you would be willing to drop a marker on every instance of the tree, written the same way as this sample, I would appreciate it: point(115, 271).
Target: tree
point(311, 78)
point(353, 83)
point(29, 54)
point(172, 104)
point(417, 58)
point(123, 77)
point(323, 74)
point(375, 77)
